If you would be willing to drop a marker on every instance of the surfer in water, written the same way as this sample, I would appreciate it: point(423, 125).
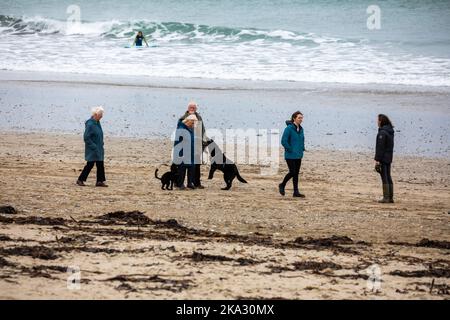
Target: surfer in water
point(138, 39)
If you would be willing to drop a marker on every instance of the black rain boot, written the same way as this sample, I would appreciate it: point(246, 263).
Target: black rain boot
point(281, 187)
point(297, 194)
point(385, 194)
point(391, 193)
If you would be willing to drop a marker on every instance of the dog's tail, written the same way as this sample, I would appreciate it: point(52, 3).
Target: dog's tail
point(156, 174)
point(238, 176)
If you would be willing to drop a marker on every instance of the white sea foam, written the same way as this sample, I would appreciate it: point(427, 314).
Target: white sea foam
point(198, 51)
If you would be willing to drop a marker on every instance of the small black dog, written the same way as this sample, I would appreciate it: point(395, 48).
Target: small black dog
point(168, 179)
point(229, 168)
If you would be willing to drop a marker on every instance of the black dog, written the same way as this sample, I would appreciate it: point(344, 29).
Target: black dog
point(229, 168)
point(168, 178)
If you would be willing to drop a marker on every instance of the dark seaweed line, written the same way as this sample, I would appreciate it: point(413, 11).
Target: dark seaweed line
point(333, 243)
point(182, 233)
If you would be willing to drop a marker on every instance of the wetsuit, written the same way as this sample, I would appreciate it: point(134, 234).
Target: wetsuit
point(139, 41)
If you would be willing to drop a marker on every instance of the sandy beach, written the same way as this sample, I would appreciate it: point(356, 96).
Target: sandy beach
point(248, 242)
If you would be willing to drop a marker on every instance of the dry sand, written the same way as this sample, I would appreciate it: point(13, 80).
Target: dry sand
point(248, 242)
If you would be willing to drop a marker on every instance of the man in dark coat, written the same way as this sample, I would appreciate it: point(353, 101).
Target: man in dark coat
point(94, 151)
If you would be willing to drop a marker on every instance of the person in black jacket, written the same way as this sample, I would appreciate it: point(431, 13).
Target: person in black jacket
point(383, 156)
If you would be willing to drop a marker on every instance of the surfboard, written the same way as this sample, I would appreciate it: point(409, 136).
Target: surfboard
point(140, 47)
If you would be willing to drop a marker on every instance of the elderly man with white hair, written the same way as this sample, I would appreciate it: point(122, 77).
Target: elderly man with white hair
point(192, 110)
point(94, 151)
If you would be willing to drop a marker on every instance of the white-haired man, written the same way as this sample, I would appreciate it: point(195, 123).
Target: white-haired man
point(94, 151)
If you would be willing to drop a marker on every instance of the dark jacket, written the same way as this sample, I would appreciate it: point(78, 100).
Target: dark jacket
point(184, 151)
point(293, 141)
point(385, 144)
point(93, 140)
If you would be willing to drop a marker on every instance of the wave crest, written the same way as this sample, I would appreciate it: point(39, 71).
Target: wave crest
point(162, 31)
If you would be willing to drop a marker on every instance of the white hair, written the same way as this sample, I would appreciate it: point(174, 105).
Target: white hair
point(190, 118)
point(97, 110)
point(193, 104)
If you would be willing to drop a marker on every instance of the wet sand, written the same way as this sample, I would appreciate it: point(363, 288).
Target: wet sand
point(337, 117)
point(248, 242)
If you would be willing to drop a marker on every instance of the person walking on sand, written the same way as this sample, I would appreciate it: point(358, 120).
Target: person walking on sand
point(384, 152)
point(94, 151)
point(200, 132)
point(293, 141)
point(184, 151)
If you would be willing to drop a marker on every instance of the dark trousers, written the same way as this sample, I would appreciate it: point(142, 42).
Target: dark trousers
point(182, 169)
point(386, 179)
point(294, 170)
point(88, 167)
point(197, 173)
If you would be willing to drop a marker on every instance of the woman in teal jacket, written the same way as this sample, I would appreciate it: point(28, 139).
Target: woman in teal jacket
point(94, 151)
point(293, 141)
point(184, 155)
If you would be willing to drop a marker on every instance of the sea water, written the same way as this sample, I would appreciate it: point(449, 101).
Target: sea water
point(288, 40)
